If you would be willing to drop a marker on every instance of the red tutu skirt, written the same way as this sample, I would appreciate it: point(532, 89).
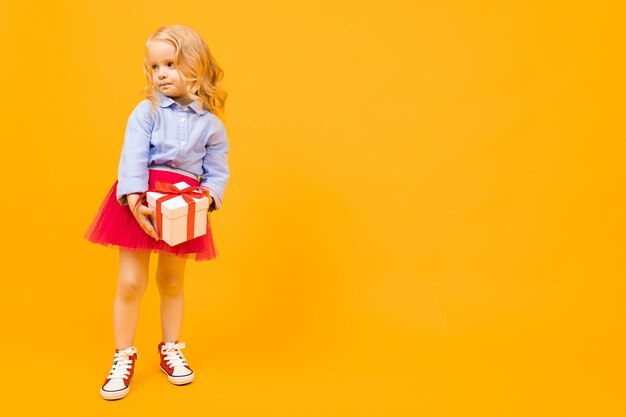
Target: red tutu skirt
point(114, 225)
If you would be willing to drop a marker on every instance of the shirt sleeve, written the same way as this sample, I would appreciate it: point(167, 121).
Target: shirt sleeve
point(132, 174)
point(215, 166)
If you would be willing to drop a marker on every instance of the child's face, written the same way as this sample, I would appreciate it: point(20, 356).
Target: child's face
point(165, 75)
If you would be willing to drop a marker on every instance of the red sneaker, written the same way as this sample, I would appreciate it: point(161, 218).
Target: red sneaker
point(117, 384)
point(174, 364)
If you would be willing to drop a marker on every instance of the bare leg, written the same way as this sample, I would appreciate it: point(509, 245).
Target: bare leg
point(132, 284)
point(170, 277)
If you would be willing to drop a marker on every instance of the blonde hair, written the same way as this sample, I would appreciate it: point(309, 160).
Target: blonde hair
point(196, 65)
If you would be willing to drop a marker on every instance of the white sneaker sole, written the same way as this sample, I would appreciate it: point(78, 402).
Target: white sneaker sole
point(115, 395)
point(178, 380)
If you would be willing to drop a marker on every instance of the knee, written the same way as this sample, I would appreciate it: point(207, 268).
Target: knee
point(170, 285)
point(131, 287)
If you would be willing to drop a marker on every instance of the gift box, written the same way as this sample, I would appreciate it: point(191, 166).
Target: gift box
point(180, 211)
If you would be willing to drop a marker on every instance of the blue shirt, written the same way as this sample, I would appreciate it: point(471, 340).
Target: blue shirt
point(184, 137)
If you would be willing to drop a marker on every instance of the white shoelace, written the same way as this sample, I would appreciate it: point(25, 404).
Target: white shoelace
point(173, 355)
point(122, 363)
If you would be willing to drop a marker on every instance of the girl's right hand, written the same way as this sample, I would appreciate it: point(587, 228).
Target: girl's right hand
point(142, 215)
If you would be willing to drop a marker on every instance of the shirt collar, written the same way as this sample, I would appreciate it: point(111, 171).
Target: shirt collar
point(165, 101)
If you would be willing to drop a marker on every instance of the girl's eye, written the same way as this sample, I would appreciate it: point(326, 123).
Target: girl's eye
point(169, 64)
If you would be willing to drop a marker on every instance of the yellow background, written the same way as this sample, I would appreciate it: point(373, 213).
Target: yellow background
point(425, 215)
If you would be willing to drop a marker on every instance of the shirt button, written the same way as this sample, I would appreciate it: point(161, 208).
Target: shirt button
point(173, 165)
point(185, 108)
point(182, 119)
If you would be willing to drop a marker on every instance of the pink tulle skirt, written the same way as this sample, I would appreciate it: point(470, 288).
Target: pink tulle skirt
point(114, 225)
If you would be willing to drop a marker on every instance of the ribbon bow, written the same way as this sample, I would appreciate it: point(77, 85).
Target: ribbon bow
point(171, 191)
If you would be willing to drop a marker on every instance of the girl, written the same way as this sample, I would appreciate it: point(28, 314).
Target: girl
point(173, 135)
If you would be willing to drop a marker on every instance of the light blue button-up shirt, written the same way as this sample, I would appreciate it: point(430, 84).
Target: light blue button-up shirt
point(184, 137)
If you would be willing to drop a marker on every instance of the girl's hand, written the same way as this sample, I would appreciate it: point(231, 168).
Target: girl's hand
point(142, 215)
point(208, 196)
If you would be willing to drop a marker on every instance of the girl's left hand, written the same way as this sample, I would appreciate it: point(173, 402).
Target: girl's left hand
point(209, 196)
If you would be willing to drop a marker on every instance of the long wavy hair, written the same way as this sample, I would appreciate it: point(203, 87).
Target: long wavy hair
point(196, 65)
